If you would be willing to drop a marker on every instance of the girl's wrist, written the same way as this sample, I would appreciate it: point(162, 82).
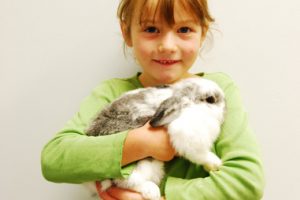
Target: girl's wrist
point(135, 147)
point(144, 141)
point(148, 140)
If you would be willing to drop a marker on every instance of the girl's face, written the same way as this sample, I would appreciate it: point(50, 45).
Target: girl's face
point(165, 53)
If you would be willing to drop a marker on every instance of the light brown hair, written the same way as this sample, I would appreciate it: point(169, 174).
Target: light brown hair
point(165, 10)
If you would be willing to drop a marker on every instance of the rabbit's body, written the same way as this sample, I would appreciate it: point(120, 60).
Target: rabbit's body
point(131, 110)
point(192, 110)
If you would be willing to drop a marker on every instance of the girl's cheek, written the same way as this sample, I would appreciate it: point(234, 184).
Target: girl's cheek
point(145, 48)
point(192, 48)
point(143, 51)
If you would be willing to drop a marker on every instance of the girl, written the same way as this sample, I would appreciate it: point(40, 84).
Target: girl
point(165, 36)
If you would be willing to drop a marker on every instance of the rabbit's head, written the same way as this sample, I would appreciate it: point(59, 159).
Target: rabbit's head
point(189, 92)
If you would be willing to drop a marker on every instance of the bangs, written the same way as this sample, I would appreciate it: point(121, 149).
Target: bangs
point(164, 10)
point(161, 9)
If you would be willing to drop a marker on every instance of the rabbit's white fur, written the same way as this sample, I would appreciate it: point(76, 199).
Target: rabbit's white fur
point(192, 110)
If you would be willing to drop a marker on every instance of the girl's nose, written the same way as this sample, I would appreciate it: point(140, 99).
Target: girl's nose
point(168, 43)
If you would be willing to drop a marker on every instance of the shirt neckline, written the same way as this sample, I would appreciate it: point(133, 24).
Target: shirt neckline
point(138, 83)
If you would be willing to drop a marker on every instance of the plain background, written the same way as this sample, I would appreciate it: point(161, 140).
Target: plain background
point(52, 53)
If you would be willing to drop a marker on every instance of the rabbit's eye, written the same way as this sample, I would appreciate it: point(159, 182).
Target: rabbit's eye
point(210, 99)
point(162, 86)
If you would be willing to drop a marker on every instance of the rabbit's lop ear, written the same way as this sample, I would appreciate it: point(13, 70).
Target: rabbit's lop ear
point(166, 112)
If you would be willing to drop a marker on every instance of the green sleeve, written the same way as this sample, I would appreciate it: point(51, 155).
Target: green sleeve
point(241, 175)
point(73, 157)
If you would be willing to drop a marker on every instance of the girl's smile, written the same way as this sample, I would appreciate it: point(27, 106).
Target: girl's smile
point(166, 62)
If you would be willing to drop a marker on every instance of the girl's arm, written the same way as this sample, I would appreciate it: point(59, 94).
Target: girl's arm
point(73, 157)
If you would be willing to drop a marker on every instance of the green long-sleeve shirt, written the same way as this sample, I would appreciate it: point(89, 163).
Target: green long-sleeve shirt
point(73, 157)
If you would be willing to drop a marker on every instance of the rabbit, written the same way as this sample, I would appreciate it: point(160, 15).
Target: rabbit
point(192, 110)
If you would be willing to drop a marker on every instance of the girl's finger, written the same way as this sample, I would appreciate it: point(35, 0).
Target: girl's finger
point(106, 196)
point(123, 194)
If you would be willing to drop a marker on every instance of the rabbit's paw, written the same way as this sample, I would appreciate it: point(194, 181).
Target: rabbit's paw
point(213, 163)
point(105, 184)
point(149, 191)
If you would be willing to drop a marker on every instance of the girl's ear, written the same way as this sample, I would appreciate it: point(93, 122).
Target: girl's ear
point(126, 34)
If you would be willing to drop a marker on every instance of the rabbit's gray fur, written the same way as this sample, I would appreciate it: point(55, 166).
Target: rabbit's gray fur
point(131, 110)
point(192, 110)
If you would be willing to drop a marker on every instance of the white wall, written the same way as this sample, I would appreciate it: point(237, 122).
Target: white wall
point(52, 53)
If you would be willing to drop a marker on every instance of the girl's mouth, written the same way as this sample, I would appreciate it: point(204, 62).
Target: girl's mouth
point(166, 61)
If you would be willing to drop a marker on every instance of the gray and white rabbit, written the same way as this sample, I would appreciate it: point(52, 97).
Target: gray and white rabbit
point(192, 110)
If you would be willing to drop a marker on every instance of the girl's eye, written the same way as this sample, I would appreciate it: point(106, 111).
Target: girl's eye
point(151, 29)
point(184, 30)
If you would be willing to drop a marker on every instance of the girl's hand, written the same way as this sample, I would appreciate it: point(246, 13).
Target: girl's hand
point(115, 193)
point(147, 141)
point(157, 143)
